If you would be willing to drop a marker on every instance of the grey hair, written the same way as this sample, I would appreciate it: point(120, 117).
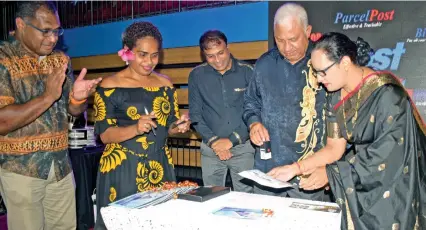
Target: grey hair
point(28, 9)
point(291, 10)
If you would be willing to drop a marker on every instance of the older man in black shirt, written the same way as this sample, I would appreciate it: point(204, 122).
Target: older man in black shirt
point(284, 102)
point(216, 98)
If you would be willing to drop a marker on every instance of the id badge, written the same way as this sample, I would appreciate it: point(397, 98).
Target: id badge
point(265, 151)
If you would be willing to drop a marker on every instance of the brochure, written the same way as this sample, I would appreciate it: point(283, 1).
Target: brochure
point(264, 179)
point(315, 207)
point(240, 213)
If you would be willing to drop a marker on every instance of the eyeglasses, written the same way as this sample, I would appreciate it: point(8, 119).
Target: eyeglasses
point(322, 73)
point(47, 33)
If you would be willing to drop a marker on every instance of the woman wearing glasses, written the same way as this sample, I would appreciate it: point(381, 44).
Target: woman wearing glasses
point(380, 184)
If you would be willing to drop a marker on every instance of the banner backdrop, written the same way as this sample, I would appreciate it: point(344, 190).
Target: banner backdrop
point(395, 30)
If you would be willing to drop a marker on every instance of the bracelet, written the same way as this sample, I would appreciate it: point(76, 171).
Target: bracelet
point(76, 102)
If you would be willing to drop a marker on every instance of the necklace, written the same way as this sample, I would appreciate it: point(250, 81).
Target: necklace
point(356, 109)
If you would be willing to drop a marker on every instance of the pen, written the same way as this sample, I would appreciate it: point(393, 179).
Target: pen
point(152, 128)
point(174, 125)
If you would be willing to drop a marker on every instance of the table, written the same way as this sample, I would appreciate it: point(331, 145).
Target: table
point(188, 215)
point(85, 163)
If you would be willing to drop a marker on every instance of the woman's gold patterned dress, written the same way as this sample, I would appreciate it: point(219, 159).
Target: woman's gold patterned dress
point(142, 162)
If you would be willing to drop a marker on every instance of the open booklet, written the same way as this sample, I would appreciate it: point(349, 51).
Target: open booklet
point(315, 207)
point(140, 200)
point(240, 213)
point(150, 198)
point(264, 179)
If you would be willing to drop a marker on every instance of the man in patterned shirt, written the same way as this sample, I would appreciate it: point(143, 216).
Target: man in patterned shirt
point(37, 91)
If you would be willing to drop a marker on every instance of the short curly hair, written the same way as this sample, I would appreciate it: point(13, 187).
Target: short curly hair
point(138, 30)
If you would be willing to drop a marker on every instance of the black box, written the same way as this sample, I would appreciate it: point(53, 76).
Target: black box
point(202, 194)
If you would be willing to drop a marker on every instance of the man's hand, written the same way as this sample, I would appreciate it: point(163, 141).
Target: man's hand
point(224, 155)
point(316, 180)
point(222, 144)
point(285, 172)
point(83, 88)
point(55, 80)
point(258, 133)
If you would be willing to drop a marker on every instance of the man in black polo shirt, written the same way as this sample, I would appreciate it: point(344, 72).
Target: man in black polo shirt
point(216, 98)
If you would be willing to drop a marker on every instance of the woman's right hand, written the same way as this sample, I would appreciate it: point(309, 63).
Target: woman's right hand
point(145, 124)
point(285, 172)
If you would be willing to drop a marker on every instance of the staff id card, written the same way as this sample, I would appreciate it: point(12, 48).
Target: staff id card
point(265, 151)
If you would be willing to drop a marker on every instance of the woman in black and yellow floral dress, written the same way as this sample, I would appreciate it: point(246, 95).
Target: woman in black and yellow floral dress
point(136, 157)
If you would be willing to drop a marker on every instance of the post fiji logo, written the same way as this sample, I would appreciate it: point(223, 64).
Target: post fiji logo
point(383, 58)
point(388, 58)
point(420, 36)
point(369, 19)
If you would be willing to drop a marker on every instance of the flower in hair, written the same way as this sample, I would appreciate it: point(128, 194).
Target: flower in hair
point(315, 36)
point(126, 55)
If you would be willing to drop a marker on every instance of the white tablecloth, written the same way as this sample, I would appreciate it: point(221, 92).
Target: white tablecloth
point(188, 215)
